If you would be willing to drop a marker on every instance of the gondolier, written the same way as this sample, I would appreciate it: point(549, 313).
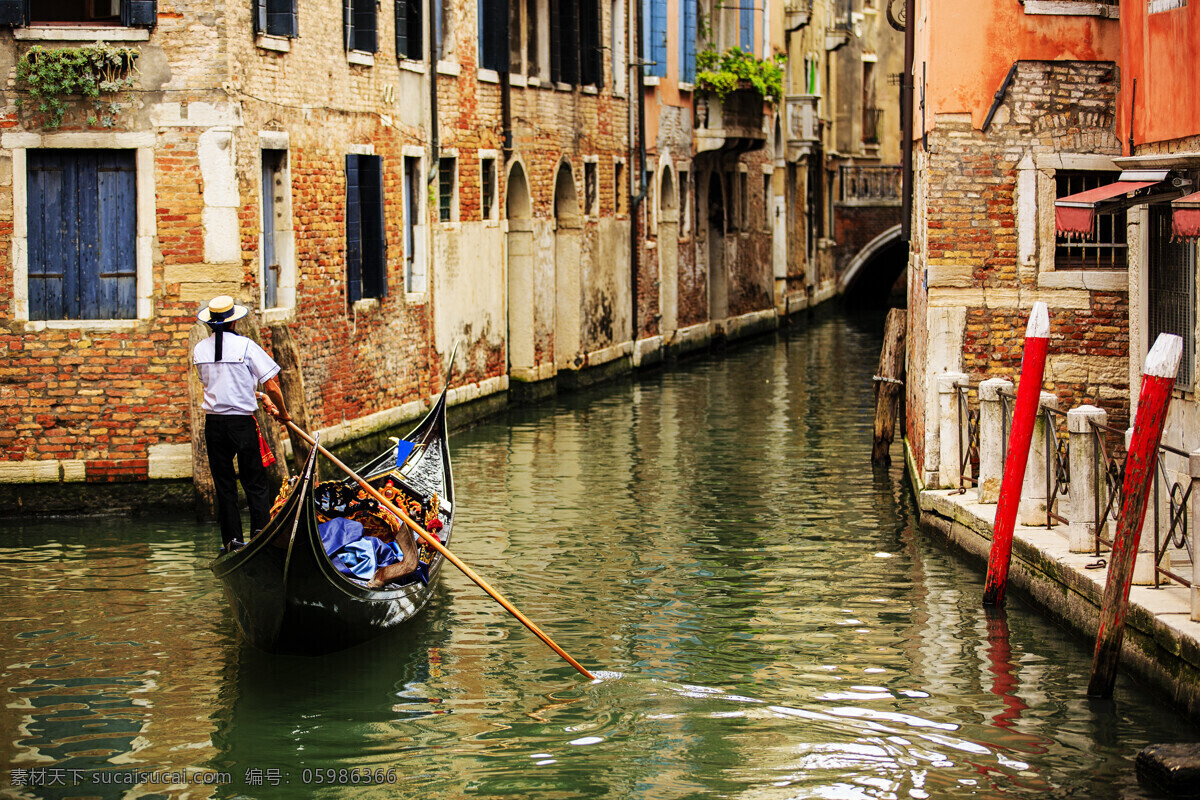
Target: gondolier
point(231, 367)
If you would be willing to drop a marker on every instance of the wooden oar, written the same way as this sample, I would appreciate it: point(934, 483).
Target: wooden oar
point(436, 544)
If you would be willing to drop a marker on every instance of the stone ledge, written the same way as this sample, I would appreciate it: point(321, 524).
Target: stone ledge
point(1161, 645)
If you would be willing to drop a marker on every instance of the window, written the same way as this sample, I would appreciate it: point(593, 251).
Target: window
point(358, 19)
point(82, 234)
point(1171, 296)
point(654, 41)
point(133, 13)
point(409, 43)
point(414, 260)
point(619, 190)
point(278, 278)
point(746, 27)
point(766, 216)
point(366, 245)
point(685, 203)
point(447, 180)
point(1106, 247)
point(591, 195)
point(493, 35)
point(275, 17)
point(576, 55)
point(743, 200)
point(488, 194)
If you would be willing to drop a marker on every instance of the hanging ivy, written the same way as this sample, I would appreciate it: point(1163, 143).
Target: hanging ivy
point(96, 72)
point(722, 73)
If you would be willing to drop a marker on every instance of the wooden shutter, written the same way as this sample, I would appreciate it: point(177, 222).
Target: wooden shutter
point(353, 231)
point(371, 218)
point(658, 37)
point(494, 35)
point(569, 28)
point(746, 28)
point(14, 13)
point(82, 220)
point(139, 13)
point(687, 42)
point(258, 12)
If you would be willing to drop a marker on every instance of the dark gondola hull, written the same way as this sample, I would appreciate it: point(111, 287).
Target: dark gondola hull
point(293, 600)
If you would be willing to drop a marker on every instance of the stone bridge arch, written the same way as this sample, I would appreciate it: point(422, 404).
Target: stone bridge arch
point(873, 273)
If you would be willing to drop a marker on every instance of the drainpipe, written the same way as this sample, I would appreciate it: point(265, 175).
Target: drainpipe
point(434, 147)
point(906, 122)
point(636, 198)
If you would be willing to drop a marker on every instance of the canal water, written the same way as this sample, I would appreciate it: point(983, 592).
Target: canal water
point(767, 618)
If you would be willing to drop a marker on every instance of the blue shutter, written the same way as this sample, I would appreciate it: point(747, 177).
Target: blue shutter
point(353, 231)
point(687, 42)
point(364, 26)
point(115, 292)
point(746, 28)
point(493, 35)
point(658, 37)
point(82, 214)
point(50, 231)
point(139, 13)
point(278, 17)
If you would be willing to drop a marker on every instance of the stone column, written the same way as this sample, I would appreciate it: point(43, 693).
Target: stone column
point(951, 429)
point(1032, 511)
point(1085, 476)
point(992, 437)
point(1194, 519)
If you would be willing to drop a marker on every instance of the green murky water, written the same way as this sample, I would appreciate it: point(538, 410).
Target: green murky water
point(768, 621)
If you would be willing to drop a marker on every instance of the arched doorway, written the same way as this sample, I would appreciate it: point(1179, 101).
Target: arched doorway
point(518, 210)
point(718, 280)
point(568, 240)
point(668, 253)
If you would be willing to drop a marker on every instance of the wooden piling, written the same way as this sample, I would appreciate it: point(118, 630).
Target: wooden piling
point(291, 382)
point(1158, 379)
point(888, 383)
point(1029, 391)
point(202, 481)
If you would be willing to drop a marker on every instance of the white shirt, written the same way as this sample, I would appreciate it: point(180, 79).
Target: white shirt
point(229, 384)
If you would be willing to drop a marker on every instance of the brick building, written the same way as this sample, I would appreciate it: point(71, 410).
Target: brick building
point(1014, 103)
point(297, 157)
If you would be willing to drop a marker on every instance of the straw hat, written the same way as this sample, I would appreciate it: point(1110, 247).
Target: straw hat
point(222, 309)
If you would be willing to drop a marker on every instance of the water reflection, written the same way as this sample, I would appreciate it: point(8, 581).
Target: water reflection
point(767, 620)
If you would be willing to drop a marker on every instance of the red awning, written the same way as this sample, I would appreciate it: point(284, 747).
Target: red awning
point(1075, 214)
point(1185, 217)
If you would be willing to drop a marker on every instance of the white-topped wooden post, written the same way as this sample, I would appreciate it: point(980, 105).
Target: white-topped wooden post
point(991, 437)
point(1085, 476)
point(1158, 379)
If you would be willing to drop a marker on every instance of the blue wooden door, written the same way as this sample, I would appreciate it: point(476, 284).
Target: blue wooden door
point(82, 219)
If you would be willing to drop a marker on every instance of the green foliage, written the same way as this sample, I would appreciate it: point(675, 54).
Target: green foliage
point(52, 76)
point(722, 73)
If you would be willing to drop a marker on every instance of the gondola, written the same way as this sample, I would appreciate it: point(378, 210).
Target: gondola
point(286, 594)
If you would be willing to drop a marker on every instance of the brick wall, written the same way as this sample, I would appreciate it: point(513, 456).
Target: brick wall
point(969, 292)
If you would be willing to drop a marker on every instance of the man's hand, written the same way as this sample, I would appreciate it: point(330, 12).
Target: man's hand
point(272, 409)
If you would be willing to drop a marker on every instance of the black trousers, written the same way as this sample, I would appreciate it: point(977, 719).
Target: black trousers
point(227, 437)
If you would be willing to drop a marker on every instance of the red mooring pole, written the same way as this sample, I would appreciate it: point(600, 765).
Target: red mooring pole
point(1029, 392)
point(1158, 378)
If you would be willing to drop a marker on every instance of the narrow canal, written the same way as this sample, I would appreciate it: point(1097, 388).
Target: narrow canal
point(769, 620)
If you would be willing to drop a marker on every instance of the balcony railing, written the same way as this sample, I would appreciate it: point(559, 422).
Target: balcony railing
point(874, 185)
point(1079, 466)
